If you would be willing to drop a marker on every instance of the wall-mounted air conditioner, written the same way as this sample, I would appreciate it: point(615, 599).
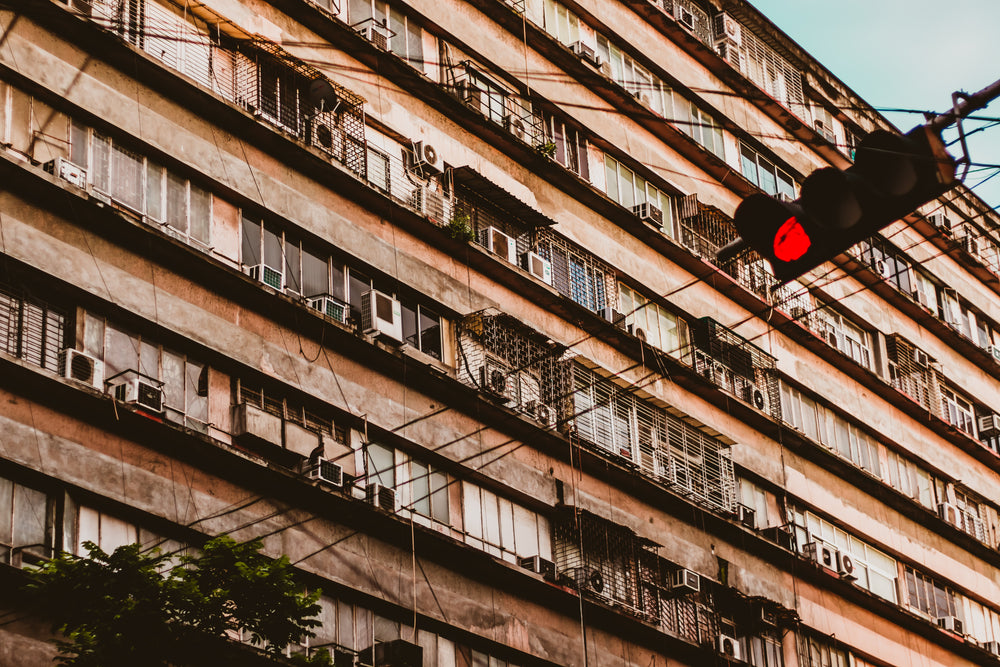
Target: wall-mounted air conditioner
point(382, 497)
point(920, 357)
point(729, 647)
point(949, 513)
point(586, 53)
point(941, 222)
point(269, 276)
point(516, 126)
point(376, 33)
point(606, 70)
point(328, 472)
point(75, 365)
point(537, 266)
point(845, 566)
point(501, 244)
point(685, 581)
point(823, 554)
point(325, 138)
point(66, 170)
point(994, 350)
point(685, 18)
point(782, 535)
point(494, 380)
point(541, 412)
point(727, 29)
point(381, 315)
point(747, 516)
point(951, 624)
point(989, 425)
point(329, 306)
point(429, 202)
point(586, 579)
point(649, 214)
point(992, 646)
point(139, 392)
point(539, 565)
point(426, 157)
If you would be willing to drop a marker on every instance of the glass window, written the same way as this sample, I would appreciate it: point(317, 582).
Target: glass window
point(381, 464)
point(765, 174)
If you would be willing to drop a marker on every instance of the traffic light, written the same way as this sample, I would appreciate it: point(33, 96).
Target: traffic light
point(891, 176)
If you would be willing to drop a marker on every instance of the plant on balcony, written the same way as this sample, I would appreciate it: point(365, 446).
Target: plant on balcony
point(460, 226)
point(136, 607)
point(548, 149)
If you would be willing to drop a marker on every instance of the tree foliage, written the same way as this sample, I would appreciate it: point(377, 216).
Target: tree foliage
point(132, 607)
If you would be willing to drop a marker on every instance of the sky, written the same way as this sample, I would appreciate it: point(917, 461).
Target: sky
point(908, 54)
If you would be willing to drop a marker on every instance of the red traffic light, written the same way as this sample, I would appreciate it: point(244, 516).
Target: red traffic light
point(892, 175)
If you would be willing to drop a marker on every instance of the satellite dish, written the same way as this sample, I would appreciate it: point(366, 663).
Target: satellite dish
point(322, 95)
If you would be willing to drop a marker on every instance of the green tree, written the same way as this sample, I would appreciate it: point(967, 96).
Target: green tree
point(132, 607)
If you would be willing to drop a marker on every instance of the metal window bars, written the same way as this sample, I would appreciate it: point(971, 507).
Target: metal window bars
point(286, 409)
point(31, 330)
point(735, 365)
point(497, 104)
point(911, 373)
point(612, 420)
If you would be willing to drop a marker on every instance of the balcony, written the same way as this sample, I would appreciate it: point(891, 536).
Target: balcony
point(735, 365)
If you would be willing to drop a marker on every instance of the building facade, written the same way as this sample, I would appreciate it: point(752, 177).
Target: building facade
point(425, 295)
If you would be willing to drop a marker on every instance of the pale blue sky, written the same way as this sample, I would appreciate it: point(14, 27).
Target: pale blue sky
point(909, 54)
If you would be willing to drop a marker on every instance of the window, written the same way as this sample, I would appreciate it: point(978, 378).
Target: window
point(405, 36)
point(822, 425)
point(428, 491)
point(561, 23)
point(647, 87)
point(630, 190)
point(180, 44)
point(661, 328)
point(185, 381)
point(503, 528)
point(910, 479)
point(971, 515)
point(571, 146)
point(816, 652)
point(927, 596)
point(31, 330)
point(289, 409)
point(27, 519)
point(700, 126)
point(378, 169)
point(755, 498)
point(127, 19)
point(143, 186)
point(843, 335)
point(106, 531)
point(765, 174)
point(958, 411)
point(875, 570)
point(422, 329)
point(486, 96)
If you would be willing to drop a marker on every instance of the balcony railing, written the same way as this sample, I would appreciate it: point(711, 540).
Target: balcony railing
point(735, 365)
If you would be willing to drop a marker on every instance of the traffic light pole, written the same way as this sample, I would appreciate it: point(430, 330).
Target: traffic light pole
point(828, 188)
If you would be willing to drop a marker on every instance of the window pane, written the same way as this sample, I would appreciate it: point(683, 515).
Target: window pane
point(611, 177)
point(292, 265)
point(177, 202)
point(381, 465)
point(272, 248)
point(430, 333)
point(126, 173)
point(154, 191)
point(251, 242)
point(29, 518)
point(315, 274)
point(420, 488)
point(201, 214)
point(78, 142)
point(196, 391)
point(101, 163)
point(439, 497)
point(173, 388)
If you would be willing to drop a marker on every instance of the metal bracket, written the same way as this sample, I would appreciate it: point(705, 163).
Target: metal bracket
point(956, 97)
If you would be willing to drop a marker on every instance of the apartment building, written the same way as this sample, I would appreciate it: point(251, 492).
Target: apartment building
point(425, 295)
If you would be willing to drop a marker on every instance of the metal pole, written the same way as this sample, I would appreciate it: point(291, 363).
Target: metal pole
point(971, 103)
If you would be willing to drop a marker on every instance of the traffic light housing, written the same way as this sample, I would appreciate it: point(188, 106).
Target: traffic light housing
point(891, 176)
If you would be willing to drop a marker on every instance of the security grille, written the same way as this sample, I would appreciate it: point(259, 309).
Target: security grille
point(31, 330)
point(912, 374)
point(577, 273)
point(736, 365)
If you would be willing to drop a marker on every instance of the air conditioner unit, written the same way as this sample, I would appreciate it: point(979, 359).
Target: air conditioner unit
point(941, 222)
point(685, 18)
point(992, 646)
point(516, 126)
point(613, 316)
point(142, 393)
point(994, 350)
point(606, 70)
point(649, 214)
point(920, 358)
point(729, 647)
point(426, 156)
point(989, 425)
point(752, 395)
point(951, 624)
point(685, 581)
point(881, 267)
point(586, 579)
point(325, 138)
point(329, 306)
point(949, 513)
point(381, 315)
point(382, 497)
point(66, 170)
point(824, 555)
point(729, 52)
point(500, 244)
point(586, 52)
point(537, 266)
point(845, 566)
point(798, 312)
point(494, 380)
point(726, 28)
point(75, 365)
point(327, 471)
point(543, 413)
point(267, 275)
point(747, 516)
point(376, 34)
point(538, 565)
point(782, 535)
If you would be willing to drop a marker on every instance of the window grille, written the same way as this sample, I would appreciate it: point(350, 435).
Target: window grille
point(577, 273)
point(735, 365)
point(286, 409)
point(910, 372)
point(31, 330)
